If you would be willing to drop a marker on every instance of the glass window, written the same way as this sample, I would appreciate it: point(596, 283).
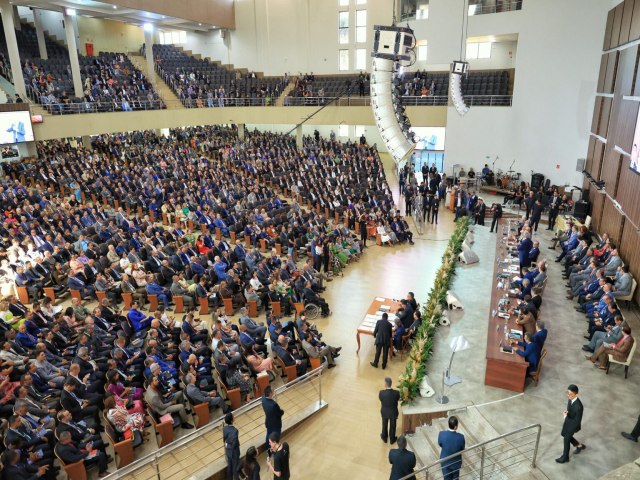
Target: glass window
point(484, 50)
point(343, 20)
point(343, 35)
point(344, 60)
point(423, 12)
point(361, 34)
point(422, 53)
point(361, 58)
point(361, 26)
point(360, 130)
point(343, 130)
point(344, 3)
point(183, 36)
point(361, 2)
point(472, 51)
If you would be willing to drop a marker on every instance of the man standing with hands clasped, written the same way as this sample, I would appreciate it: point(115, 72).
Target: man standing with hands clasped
point(572, 424)
point(272, 414)
point(451, 442)
point(231, 447)
point(389, 399)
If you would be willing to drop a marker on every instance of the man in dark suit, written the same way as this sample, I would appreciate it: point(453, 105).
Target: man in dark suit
point(572, 424)
point(272, 413)
point(382, 334)
point(403, 460)
point(389, 399)
point(451, 443)
point(231, 446)
point(524, 248)
point(554, 209)
point(479, 212)
point(70, 453)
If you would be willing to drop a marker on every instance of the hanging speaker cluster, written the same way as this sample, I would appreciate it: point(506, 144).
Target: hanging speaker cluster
point(392, 47)
point(458, 69)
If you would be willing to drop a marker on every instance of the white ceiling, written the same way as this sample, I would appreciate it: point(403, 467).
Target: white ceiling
point(109, 11)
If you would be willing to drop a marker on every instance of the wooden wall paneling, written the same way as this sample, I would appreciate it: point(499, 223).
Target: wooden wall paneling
point(636, 84)
point(626, 70)
point(603, 72)
point(625, 120)
point(612, 221)
point(597, 111)
point(629, 250)
point(612, 70)
point(597, 203)
point(610, 170)
point(607, 32)
point(590, 152)
point(634, 33)
point(617, 23)
point(625, 27)
point(603, 125)
point(596, 163)
point(627, 192)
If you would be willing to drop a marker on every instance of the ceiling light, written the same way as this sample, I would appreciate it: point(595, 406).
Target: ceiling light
point(70, 11)
point(199, 24)
point(148, 27)
point(115, 7)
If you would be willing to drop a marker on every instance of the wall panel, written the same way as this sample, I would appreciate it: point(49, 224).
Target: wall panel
point(627, 15)
point(634, 34)
point(628, 190)
point(626, 70)
point(612, 70)
point(597, 111)
point(612, 221)
point(607, 32)
point(630, 251)
point(617, 23)
point(603, 124)
point(596, 162)
point(603, 73)
point(597, 203)
point(610, 170)
point(625, 125)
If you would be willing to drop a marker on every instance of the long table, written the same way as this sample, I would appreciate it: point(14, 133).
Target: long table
point(368, 324)
point(504, 370)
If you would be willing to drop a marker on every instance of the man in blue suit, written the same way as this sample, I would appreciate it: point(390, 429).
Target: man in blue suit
point(138, 320)
point(524, 248)
point(451, 443)
point(531, 352)
point(272, 413)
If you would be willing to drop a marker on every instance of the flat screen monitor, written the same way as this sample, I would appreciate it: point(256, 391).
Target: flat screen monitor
point(15, 127)
point(430, 138)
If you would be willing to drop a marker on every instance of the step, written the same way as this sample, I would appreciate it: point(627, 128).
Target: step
point(418, 444)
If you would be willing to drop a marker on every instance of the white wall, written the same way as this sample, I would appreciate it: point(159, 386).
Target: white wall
point(557, 66)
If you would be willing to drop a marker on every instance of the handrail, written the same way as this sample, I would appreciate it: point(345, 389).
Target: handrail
point(408, 100)
point(479, 9)
point(100, 107)
point(481, 446)
point(216, 423)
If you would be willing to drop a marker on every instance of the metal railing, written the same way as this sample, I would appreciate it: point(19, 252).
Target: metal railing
point(491, 459)
point(471, 100)
point(228, 102)
point(496, 7)
point(100, 107)
point(352, 101)
point(202, 453)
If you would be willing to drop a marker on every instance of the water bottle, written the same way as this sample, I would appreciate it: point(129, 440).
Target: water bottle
point(506, 331)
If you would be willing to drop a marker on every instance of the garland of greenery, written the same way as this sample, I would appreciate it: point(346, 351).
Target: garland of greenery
point(431, 313)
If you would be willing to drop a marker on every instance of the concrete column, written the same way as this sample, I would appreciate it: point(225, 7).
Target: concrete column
point(299, 136)
point(42, 44)
point(86, 141)
point(148, 51)
point(12, 47)
point(16, 19)
point(73, 55)
point(241, 131)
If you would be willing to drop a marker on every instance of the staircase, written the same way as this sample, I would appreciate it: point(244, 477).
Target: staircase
point(167, 95)
point(508, 457)
point(290, 86)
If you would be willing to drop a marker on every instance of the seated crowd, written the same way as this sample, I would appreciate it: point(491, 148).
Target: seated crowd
point(110, 82)
point(69, 364)
point(597, 279)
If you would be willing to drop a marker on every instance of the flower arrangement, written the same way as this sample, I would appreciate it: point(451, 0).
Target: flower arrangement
point(431, 312)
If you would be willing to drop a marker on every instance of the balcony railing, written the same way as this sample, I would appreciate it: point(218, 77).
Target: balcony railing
point(99, 107)
point(201, 453)
point(228, 102)
point(508, 454)
point(496, 7)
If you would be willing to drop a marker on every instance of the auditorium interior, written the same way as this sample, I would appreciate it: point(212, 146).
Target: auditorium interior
point(206, 201)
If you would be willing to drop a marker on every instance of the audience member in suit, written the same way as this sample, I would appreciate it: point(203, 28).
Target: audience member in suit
point(451, 442)
point(70, 453)
point(619, 350)
point(231, 441)
point(572, 424)
point(531, 353)
point(479, 212)
point(402, 460)
point(389, 399)
point(383, 334)
point(524, 248)
point(496, 209)
point(15, 469)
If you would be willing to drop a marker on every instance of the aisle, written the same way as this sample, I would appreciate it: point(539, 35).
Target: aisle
point(343, 440)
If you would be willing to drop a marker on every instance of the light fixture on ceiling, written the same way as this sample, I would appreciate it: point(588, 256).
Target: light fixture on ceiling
point(115, 7)
point(70, 11)
point(147, 27)
point(199, 24)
